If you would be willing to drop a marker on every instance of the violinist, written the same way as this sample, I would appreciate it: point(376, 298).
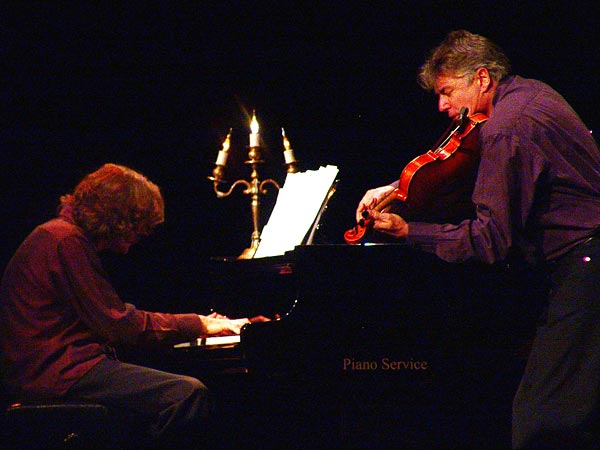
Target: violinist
point(537, 194)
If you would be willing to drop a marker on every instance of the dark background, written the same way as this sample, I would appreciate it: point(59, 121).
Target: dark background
point(156, 86)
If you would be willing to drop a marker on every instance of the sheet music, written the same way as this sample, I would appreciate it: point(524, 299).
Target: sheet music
point(297, 206)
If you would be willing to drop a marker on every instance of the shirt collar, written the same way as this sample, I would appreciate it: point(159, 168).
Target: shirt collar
point(503, 86)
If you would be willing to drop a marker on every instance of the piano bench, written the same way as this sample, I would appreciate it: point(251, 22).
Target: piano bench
point(56, 426)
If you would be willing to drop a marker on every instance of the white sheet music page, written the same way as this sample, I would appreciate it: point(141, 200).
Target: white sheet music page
point(298, 203)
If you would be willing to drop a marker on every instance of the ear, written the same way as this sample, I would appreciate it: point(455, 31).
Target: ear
point(482, 75)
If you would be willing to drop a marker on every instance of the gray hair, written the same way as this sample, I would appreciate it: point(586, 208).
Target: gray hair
point(460, 54)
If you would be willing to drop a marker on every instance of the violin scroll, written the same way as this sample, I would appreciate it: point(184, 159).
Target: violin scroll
point(355, 235)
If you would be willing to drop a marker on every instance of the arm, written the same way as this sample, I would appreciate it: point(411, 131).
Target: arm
point(99, 307)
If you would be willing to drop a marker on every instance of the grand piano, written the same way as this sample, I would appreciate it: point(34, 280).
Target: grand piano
point(376, 346)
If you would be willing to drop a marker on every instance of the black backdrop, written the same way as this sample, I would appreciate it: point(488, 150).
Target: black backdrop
point(156, 86)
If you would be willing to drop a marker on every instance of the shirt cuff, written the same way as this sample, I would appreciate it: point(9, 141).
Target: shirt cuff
point(191, 325)
point(422, 235)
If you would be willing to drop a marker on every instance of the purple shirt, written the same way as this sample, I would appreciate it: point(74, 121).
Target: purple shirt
point(59, 311)
point(538, 186)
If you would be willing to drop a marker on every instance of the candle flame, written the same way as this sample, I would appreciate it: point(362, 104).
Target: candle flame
point(254, 123)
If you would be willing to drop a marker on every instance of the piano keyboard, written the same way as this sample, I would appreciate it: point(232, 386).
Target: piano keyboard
point(211, 341)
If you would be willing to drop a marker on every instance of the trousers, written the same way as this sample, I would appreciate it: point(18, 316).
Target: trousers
point(557, 403)
point(154, 409)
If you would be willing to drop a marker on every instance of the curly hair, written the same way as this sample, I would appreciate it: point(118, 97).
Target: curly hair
point(462, 53)
point(115, 202)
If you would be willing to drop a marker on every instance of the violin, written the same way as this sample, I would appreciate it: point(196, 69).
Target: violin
point(437, 185)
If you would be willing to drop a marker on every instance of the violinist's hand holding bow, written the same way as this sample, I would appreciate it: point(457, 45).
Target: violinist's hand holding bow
point(371, 198)
point(389, 223)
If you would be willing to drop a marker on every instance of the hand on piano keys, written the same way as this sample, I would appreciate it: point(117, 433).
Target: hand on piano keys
point(217, 324)
point(223, 338)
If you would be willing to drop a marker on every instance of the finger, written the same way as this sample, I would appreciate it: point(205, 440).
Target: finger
point(379, 219)
point(359, 211)
point(259, 319)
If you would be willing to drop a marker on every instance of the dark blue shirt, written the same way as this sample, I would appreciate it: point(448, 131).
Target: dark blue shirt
point(538, 185)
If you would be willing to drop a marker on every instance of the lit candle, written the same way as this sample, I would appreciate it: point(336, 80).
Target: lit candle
point(254, 136)
point(222, 156)
point(288, 152)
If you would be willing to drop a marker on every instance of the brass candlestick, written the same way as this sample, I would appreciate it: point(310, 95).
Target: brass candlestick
point(255, 187)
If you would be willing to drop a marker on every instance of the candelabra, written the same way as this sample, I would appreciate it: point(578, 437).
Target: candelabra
point(255, 187)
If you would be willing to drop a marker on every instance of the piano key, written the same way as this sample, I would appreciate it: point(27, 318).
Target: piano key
point(210, 341)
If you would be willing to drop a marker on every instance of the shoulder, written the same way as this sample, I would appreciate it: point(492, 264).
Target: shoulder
point(46, 244)
point(521, 106)
point(59, 229)
point(56, 235)
point(521, 92)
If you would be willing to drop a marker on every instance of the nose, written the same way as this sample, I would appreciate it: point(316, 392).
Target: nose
point(443, 104)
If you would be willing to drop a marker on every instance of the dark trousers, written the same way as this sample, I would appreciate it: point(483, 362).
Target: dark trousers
point(154, 409)
point(557, 403)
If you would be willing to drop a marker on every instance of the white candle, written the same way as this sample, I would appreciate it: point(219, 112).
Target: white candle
point(221, 158)
point(254, 136)
point(289, 156)
point(223, 153)
point(288, 152)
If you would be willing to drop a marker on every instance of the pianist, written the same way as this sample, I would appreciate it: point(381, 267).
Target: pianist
point(537, 194)
point(61, 316)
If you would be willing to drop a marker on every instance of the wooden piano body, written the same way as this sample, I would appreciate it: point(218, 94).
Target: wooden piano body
point(378, 346)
